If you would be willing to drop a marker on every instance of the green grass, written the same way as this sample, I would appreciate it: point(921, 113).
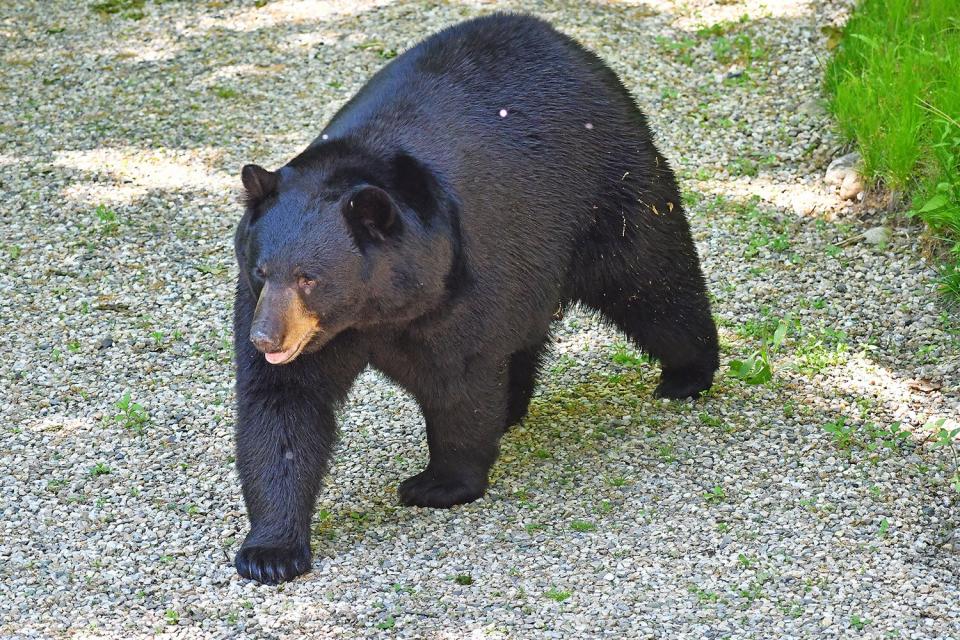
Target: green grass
point(583, 526)
point(132, 9)
point(894, 92)
point(557, 594)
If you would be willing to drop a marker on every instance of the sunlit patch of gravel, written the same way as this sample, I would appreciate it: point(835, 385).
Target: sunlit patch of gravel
point(610, 514)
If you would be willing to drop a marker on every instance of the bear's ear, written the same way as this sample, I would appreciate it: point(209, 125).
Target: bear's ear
point(258, 182)
point(371, 214)
point(416, 185)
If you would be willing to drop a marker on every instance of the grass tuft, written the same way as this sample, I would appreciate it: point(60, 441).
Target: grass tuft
point(894, 92)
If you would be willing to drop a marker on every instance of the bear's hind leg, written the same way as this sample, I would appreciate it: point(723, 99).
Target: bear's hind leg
point(671, 323)
point(684, 373)
point(464, 426)
point(524, 366)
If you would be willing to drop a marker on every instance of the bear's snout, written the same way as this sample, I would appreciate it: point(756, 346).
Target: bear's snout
point(265, 342)
point(282, 326)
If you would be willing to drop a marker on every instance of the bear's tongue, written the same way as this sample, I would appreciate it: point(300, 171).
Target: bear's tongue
point(278, 357)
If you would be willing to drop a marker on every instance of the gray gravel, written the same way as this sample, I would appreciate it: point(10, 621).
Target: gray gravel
point(610, 514)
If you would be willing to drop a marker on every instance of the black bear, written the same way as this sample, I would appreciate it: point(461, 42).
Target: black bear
point(487, 177)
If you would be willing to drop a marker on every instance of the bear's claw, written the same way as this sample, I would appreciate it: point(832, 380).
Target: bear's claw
point(272, 564)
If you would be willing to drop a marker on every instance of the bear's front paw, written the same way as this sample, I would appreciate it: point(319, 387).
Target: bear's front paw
point(428, 489)
point(272, 564)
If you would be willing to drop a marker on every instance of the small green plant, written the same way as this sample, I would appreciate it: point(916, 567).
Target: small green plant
point(625, 356)
point(745, 167)
point(817, 352)
point(227, 93)
point(386, 623)
point(108, 220)
point(843, 433)
point(583, 526)
point(704, 596)
point(667, 453)
point(99, 469)
point(780, 243)
point(946, 438)
point(892, 437)
point(755, 369)
point(883, 528)
point(463, 579)
point(171, 616)
point(858, 623)
point(210, 269)
point(715, 495)
point(379, 48)
point(14, 251)
point(132, 415)
point(681, 49)
point(564, 363)
point(711, 421)
point(129, 9)
point(557, 594)
point(754, 590)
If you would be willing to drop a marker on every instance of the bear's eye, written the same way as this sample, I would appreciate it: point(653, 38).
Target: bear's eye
point(306, 282)
point(260, 273)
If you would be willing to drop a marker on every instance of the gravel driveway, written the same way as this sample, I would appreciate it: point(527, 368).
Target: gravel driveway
point(789, 509)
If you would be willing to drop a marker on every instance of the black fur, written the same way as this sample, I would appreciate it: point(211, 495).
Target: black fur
point(507, 173)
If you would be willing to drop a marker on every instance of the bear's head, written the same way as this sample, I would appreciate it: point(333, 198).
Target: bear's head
point(340, 238)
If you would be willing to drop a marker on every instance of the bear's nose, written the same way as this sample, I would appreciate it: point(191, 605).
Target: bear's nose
point(264, 342)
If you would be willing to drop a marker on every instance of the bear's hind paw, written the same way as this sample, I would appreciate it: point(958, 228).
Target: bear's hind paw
point(429, 490)
point(686, 383)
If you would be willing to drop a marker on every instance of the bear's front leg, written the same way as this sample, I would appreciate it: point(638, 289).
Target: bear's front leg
point(464, 425)
point(285, 434)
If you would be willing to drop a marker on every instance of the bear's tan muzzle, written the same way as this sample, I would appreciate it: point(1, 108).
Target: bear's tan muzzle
point(282, 325)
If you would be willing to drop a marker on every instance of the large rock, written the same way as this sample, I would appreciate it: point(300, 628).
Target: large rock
point(844, 173)
point(877, 235)
point(841, 167)
point(851, 187)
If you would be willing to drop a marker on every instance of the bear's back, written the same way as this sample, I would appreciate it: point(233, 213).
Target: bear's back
point(502, 99)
